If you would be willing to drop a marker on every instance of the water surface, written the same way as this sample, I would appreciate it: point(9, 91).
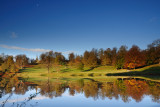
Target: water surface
point(82, 92)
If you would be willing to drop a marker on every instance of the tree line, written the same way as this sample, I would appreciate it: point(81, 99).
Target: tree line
point(120, 58)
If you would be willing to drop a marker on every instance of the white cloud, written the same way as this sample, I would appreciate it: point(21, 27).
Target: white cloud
point(13, 35)
point(25, 49)
point(32, 50)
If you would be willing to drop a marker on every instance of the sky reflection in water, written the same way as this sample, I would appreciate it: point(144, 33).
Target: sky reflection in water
point(85, 93)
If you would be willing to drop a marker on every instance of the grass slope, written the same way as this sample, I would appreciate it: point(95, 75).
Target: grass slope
point(153, 70)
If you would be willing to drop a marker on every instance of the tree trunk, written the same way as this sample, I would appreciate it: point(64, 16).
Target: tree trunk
point(48, 69)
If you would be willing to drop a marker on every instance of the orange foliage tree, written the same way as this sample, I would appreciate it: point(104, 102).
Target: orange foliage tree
point(134, 58)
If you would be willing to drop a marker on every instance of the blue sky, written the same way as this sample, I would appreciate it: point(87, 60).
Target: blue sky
point(76, 25)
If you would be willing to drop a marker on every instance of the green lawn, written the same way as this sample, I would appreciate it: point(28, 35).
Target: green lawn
point(69, 72)
point(39, 71)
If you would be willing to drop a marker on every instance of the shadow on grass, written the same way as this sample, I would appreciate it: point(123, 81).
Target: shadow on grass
point(150, 72)
point(24, 70)
point(89, 69)
point(91, 74)
point(65, 70)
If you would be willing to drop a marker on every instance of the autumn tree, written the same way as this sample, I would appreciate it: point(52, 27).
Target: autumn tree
point(113, 56)
point(78, 62)
point(100, 56)
point(1, 60)
point(107, 57)
point(120, 59)
point(90, 59)
point(21, 61)
point(9, 65)
point(71, 58)
point(47, 59)
point(134, 58)
point(93, 61)
point(153, 52)
point(59, 59)
point(85, 58)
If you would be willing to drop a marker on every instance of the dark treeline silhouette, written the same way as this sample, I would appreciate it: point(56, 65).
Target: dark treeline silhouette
point(120, 58)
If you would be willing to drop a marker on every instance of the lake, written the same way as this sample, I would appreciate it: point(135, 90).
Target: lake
point(79, 92)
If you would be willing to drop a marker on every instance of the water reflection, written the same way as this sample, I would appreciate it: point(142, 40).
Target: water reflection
point(125, 89)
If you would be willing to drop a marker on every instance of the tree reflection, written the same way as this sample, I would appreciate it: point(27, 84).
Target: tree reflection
point(10, 83)
point(125, 89)
point(51, 89)
point(91, 89)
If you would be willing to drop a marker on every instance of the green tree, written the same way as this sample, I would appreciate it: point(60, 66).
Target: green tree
point(120, 60)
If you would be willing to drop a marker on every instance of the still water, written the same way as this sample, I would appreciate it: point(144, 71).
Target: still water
point(84, 92)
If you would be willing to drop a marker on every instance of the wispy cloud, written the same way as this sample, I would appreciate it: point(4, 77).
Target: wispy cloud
point(32, 50)
point(24, 49)
point(13, 35)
